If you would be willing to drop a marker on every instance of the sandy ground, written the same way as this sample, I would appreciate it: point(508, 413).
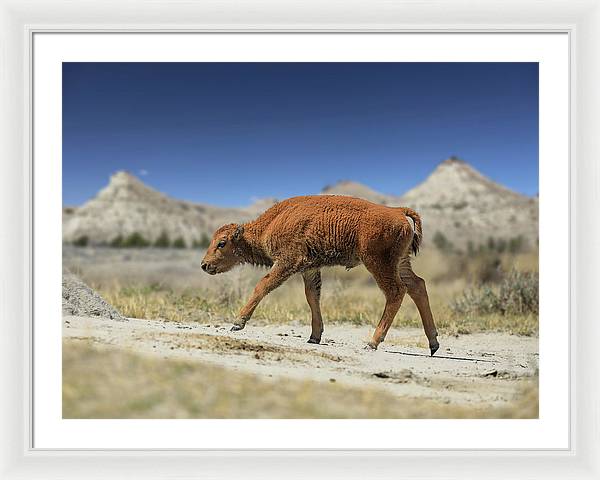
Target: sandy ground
point(468, 369)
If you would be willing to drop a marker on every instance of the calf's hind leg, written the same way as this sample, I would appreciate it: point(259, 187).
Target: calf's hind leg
point(394, 290)
point(415, 286)
point(312, 289)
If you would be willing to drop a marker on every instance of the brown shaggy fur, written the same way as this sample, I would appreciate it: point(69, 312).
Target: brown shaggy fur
point(304, 234)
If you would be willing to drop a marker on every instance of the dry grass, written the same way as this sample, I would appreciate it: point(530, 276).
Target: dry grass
point(360, 307)
point(170, 286)
point(110, 383)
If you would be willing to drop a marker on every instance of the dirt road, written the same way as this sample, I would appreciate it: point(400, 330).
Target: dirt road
point(481, 368)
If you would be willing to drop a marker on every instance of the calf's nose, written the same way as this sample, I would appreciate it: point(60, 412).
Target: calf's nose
point(204, 266)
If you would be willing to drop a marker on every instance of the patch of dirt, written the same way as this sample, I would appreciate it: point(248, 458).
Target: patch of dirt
point(229, 345)
point(461, 373)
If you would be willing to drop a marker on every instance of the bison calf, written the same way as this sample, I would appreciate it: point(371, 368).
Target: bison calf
point(304, 234)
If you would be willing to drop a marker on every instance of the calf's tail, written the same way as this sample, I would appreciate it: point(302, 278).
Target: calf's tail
point(418, 233)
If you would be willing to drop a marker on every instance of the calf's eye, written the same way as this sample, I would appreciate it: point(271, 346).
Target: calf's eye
point(221, 244)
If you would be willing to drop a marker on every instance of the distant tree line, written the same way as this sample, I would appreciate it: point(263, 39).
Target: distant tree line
point(493, 245)
point(137, 240)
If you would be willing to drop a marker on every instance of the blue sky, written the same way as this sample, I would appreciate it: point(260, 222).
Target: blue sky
point(226, 133)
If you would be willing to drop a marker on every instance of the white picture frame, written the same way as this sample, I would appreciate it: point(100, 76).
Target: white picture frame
point(18, 23)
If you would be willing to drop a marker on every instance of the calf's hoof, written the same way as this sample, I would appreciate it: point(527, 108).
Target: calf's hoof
point(314, 340)
point(235, 327)
point(434, 348)
point(370, 346)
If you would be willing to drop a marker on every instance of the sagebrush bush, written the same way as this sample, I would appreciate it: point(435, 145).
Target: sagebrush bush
point(485, 268)
point(516, 294)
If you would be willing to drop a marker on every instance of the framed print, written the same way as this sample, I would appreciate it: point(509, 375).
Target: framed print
point(335, 245)
point(142, 251)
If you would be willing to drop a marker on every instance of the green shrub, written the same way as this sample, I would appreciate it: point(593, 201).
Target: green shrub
point(163, 240)
point(516, 294)
point(516, 244)
point(470, 247)
point(442, 243)
point(117, 242)
point(135, 240)
point(179, 242)
point(81, 241)
point(204, 242)
point(501, 245)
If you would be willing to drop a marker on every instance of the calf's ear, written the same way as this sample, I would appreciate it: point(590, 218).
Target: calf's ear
point(239, 231)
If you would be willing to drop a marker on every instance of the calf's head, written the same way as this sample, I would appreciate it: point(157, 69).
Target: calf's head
point(222, 254)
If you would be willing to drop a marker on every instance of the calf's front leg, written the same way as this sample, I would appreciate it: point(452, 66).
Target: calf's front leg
point(272, 280)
